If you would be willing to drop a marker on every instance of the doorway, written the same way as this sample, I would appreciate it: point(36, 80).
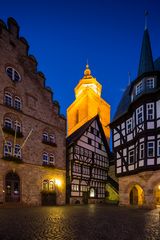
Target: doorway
point(12, 187)
point(136, 196)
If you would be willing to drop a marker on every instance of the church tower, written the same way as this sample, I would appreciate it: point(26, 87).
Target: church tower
point(88, 103)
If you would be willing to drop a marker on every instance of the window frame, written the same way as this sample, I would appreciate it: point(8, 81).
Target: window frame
point(150, 116)
point(148, 81)
point(8, 95)
point(148, 149)
point(139, 88)
point(139, 111)
point(131, 156)
point(129, 122)
point(12, 73)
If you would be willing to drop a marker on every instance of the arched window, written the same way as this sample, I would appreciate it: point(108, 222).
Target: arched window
point(17, 151)
point(8, 123)
point(45, 158)
point(45, 185)
point(8, 99)
point(13, 74)
point(51, 159)
point(52, 138)
point(45, 137)
point(17, 103)
point(7, 149)
point(51, 186)
point(17, 126)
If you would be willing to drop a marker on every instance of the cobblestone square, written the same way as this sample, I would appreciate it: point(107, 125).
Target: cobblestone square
point(90, 222)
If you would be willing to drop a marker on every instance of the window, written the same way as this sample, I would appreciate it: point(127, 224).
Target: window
point(131, 157)
point(139, 88)
point(13, 74)
point(52, 139)
point(150, 149)
point(100, 146)
point(150, 83)
point(51, 186)
point(45, 158)
point(45, 185)
point(45, 137)
point(141, 151)
point(8, 123)
point(7, 149)
point(89, 141)
point(8, 99)
point(129, 125)
point(150, 111)
point(75, 187)
point(86, 170)
point(17, 151)
point(158, 148)
point(139, 115)
point(52, 159)
point(17, 103)
point(77, 168)
point(17, 126)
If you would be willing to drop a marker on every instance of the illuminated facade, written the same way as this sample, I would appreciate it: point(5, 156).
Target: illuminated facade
point(32, 136)
point(88, 103)
point(136, 134)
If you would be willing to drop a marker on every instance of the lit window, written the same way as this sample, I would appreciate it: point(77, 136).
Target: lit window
point(17, 151)
point(150, 83)
point(141, 151)
point(45, 185)
point(150, 149)
point(150, 111)
point(92, 192)
point(8, 123)
point(75, 187)
point(51, 186)
point(52, 139)
point(7, 149)
point(129, 125)
point(8, 99)
point(158, 148)
point(45, 158)
point(139, 88)
point(139, 115)
point(17, 103)
point(131, 157)
point(13, 74)
point(17, 126)
point(45, 137)
point(52, 159)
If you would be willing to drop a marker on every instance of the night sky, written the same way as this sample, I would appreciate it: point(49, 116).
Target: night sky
point(63, 34)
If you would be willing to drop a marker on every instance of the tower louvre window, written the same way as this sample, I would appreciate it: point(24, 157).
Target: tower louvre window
point(150, 83)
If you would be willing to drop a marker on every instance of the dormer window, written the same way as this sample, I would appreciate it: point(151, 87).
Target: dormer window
point(150, 83)
point(13, 74)
point(139, 88)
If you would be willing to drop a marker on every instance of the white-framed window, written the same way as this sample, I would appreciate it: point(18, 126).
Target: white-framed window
point(150, 111)
point(52, 138)
point(139, 88)
point(17, 151)
point(141, 151)
point(45, 137)
point(158, 148)
point(129, 125)
point(13, 74)
point(17, 126)
point(77, 168)
point(17, 103)
point(86, 170)
point(150, 149)
point(139, 115)
point(8, 99)
point(75, 187)
point(131, 156)
point(51, 159)
point(7, 149)
point(45, 158)
point(150, 83)
point(8, 123)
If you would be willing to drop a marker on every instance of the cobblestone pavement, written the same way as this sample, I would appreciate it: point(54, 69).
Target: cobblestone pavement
point(79, 223)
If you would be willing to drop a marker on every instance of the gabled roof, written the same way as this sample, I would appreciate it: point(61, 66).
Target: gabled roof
point(146, 59)
point(75, 136)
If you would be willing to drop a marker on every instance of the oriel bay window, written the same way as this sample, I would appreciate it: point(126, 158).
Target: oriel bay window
point(139, 115)
point(150, 83)
point(139, 88)
point(150, 149)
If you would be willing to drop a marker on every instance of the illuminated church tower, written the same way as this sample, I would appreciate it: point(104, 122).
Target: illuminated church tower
point(88, 103)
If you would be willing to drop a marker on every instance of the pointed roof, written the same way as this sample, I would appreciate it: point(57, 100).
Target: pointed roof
point(79, 132)
point(146, 59)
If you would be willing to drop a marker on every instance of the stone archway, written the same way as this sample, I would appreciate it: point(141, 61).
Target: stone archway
point(12, 187)
point(136, 195)
point(157, 194)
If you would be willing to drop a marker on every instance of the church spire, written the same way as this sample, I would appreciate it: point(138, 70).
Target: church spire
point(146, 59)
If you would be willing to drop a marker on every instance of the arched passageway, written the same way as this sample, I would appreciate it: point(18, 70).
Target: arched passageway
point(12, 187)
point(136, 195)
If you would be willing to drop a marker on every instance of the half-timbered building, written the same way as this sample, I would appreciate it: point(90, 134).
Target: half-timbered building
point(136, 134)
point(87, 163)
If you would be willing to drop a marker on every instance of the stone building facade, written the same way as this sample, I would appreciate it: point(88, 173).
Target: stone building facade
point(32, 136)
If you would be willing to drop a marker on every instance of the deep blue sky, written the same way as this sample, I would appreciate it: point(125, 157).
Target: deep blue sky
point(63, 34)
